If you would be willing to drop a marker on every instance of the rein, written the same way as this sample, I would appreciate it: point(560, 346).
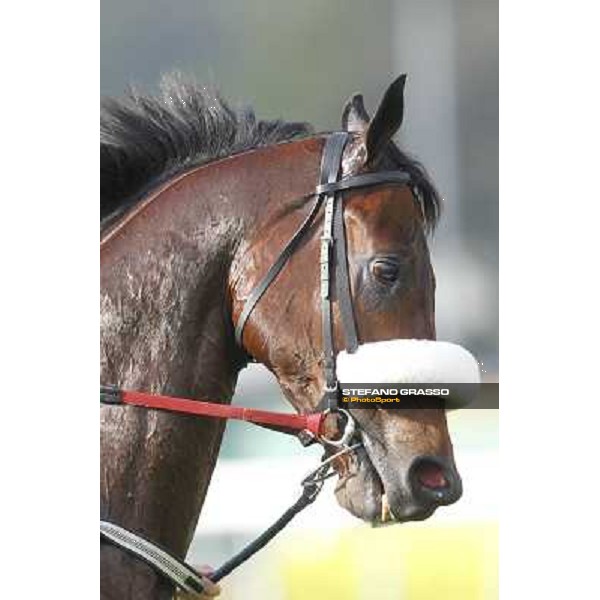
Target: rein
point(309, 428)
point(183, 575)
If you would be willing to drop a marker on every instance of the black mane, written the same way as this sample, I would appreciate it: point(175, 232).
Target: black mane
point(423, 188)
point(145, 140)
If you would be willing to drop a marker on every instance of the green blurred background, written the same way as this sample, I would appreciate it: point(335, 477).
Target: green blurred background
point(300, 61)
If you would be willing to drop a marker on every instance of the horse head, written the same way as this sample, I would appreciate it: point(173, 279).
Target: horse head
point(406, 468)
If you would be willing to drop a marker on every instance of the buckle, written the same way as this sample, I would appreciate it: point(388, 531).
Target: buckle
point(330, 389)
point(110, 394)
point(347, 433)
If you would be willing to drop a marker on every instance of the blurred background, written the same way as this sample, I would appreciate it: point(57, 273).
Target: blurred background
point(301, 60)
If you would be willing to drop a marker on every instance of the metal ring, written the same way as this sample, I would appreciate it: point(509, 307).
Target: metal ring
point(323, 471)
point(349, 429)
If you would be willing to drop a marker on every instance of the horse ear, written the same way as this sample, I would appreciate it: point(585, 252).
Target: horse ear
point(355, 117)
point(387, 120)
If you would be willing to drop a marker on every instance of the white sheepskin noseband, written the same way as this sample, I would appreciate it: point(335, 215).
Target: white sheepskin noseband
point(408, 361)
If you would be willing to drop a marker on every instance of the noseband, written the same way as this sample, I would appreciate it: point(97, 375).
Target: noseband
point(333, 261)
point(333, 258)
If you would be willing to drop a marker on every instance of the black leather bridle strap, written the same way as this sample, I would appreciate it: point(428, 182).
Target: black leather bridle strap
point(330, 167)
point(366, 180)
point(275, 269)
point(333, 255)
point(342, 278)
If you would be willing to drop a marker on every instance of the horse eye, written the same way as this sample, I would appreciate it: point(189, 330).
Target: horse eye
point(385, 270)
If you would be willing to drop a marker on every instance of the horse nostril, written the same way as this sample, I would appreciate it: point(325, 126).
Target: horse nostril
point(434, 481)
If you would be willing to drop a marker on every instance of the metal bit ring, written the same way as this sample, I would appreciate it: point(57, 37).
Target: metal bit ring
point(349, 429)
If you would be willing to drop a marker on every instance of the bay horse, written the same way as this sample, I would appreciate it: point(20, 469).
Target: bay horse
point(197, 200)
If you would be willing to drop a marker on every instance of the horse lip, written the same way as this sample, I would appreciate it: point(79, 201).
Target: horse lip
point(387, 515)
point(384, 514)
point(362, 465)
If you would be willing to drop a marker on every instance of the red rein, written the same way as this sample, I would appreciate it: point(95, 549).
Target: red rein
point(312, 422)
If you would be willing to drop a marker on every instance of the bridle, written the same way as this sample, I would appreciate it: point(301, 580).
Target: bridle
point(333, 258)
point(333, 264)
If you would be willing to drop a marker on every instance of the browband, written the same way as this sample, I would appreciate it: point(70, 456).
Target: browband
point(365, 180)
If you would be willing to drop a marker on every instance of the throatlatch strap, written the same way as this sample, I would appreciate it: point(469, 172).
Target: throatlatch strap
point(176, 571)
point(328, 188)
point(272, 273)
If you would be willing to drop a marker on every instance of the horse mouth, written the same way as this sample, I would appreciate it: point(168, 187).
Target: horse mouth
point(360, 489)
point(363, 491)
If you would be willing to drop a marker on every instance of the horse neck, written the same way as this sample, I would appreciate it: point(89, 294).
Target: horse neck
point(165, 328)
point(165, 322)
